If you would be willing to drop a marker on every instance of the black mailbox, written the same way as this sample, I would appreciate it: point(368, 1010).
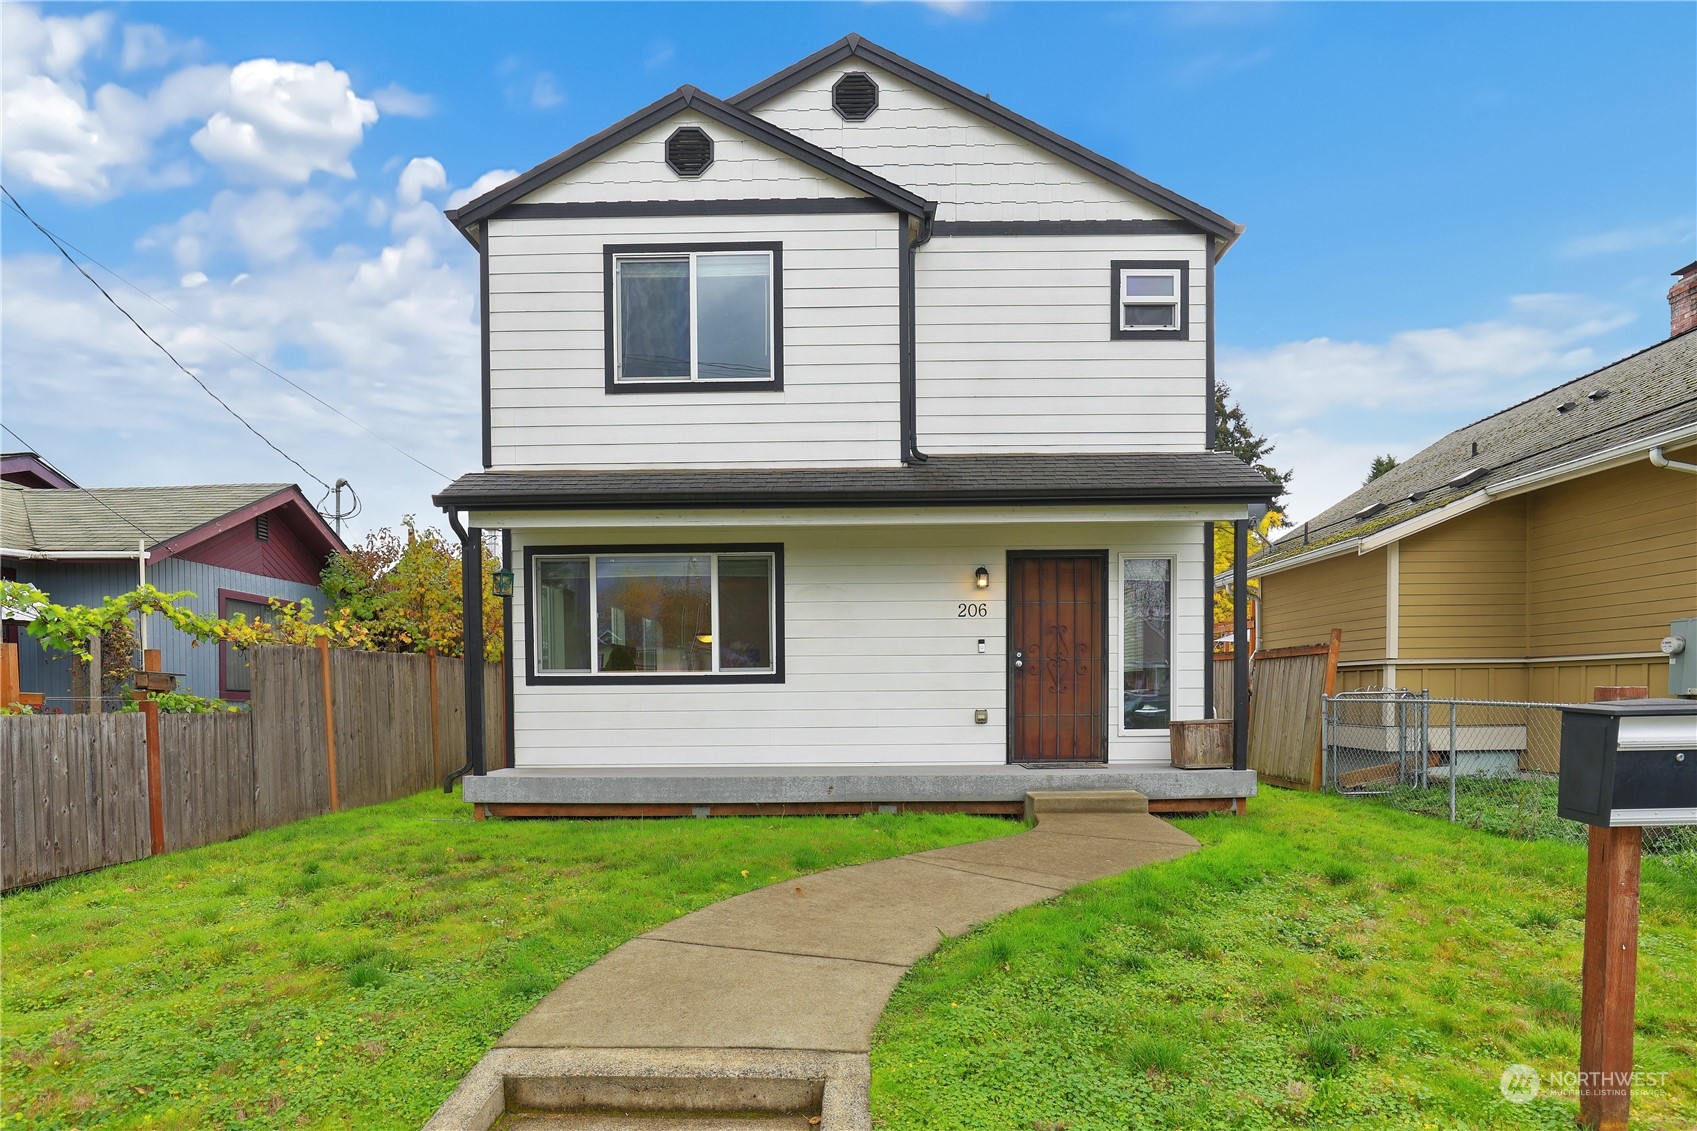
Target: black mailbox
point(1629, 763)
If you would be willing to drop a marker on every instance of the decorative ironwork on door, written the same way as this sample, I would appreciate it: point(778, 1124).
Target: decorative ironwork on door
point(1058, 647)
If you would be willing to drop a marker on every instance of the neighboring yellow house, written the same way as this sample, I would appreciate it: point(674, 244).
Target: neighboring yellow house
point(1533, 555)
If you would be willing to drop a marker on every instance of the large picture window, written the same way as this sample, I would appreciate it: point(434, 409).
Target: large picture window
point(1146, 614)
point(655, 613)
point(694, 317)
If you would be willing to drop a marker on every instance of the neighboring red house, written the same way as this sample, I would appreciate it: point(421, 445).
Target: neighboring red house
point(234, 546)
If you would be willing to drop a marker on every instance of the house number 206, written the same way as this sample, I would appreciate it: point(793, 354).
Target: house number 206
point(970, 610)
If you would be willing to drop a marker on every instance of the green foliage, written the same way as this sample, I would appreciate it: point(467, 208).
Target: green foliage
point(1379, 466)
point(181, 703)
point(1362, 969)
point(405, 588)
point(66, 628)
point(1233, 433)
point(346, 971)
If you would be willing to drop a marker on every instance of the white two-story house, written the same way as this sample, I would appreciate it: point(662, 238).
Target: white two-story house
point(849, 440)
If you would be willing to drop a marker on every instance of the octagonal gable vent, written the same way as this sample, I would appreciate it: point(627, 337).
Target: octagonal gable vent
point(689, 151)
point(855, 96)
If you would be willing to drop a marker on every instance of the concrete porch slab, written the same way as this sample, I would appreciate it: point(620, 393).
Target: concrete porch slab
point(812, 785)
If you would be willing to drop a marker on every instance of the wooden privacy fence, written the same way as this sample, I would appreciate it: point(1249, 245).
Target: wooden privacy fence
point(1225, 706)
point(1285, 708)
point(74, 788)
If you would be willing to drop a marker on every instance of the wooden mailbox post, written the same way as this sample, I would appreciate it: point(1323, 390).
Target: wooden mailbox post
point(1624, 765)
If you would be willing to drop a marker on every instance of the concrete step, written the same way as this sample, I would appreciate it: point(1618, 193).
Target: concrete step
point(651, 1121)
point(1037, 805)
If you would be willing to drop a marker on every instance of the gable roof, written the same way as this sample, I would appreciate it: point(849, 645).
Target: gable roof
point(165, 520)
point(853, 46)
point(1612, 414)
point(31, 470)
point(688, 98)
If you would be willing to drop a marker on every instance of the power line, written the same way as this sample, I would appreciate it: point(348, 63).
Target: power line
point(204, 386)
point(125, 518)
point(238, 351)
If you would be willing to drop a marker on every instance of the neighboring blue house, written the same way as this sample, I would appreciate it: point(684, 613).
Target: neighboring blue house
point(235, 546)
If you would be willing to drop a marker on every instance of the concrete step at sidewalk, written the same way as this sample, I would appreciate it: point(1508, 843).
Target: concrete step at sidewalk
point(1051, 802)
point(555, 1121)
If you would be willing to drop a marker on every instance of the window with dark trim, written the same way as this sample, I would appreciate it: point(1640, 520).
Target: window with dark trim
point(654, 614)
point(235, 668)
point(693, 317)
point(1149, 300)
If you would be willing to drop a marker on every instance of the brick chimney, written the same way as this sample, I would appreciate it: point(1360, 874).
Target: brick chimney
point(1682, 300)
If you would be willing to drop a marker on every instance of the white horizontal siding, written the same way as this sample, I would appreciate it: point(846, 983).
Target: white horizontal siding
point(972, 169)
point(839, 405)
point(879, 669)
point(742, 168)
point(1015, 354)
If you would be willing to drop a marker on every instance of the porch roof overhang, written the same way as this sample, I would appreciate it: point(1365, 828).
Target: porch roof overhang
point(1024, 480)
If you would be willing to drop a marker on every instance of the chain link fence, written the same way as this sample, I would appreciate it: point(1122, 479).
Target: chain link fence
point(1491, 765)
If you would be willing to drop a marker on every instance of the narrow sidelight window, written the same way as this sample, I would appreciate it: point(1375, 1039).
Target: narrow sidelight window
point(690, 318)
point(651, 614)
point(1146, 614)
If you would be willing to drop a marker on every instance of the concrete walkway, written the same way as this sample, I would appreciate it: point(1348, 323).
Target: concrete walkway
point(758, 1011)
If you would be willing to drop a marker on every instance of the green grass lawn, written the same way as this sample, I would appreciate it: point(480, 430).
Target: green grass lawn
point(345, 972)
point(1324, 962)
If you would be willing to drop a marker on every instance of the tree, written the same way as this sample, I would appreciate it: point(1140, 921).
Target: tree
point(1223, 547)
point(1233, 433)
point(1380, 465)
point(405, 589)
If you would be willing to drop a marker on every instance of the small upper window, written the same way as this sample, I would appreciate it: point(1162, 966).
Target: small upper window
point(694, 318)
point(1150, 300)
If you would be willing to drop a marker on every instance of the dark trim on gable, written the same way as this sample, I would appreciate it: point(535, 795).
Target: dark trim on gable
point(772, 384)
point(1209, 424)
point(1065, 228)
point(1182, 334)
point(289, 497)
point(689, 98)
point(776, 675)
point(483, 315)
point(615, 208)
point(853, 46)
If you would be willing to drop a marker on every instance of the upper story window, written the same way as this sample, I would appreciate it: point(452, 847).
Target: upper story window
point(693, 317)
point(1150, 300)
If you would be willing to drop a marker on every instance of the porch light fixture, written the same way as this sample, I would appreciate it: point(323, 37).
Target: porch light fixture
point(503, 583)
point(982, 578)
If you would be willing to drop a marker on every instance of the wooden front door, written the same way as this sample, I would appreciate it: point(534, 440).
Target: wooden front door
point(1057, 656)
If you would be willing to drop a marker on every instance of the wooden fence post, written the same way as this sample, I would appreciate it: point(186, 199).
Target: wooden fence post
point(95, 676)
point(1332, 646)
point(155, 778)
point(329, 721)
point(435, 731)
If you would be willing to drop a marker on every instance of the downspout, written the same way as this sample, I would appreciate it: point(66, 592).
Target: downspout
point(915, 232)
point(1240, 644)
point(471, 606)
point(1660, 460)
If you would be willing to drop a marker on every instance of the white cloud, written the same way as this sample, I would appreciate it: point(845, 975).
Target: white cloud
point(1330, 406)
point(398, 101)
point(1462, 365)
point(390, 336)
point(285, 121)
point(660, 55)
point(149, 47)
point(526, 86)
point(263, 120)
point(1643, 237)
point(494, 178)
point(265, 226)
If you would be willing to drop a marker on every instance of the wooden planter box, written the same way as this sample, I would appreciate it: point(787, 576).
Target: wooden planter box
point(1205, 744)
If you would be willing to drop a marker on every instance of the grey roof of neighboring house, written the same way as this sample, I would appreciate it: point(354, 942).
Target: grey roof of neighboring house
point(1017, 479)
point(95, 519)
point(1646, 394)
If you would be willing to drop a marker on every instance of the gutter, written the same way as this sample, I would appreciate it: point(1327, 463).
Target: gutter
point(1659, 460)
point(908, 316)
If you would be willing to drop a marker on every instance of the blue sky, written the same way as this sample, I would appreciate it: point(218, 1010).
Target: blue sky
point(1449, 206)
